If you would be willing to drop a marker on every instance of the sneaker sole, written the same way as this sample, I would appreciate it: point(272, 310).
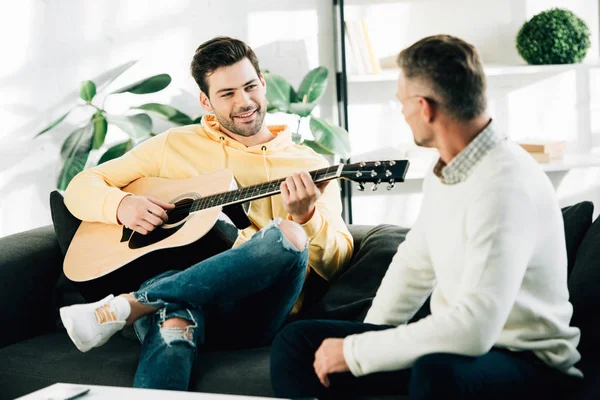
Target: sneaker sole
point(68, 324)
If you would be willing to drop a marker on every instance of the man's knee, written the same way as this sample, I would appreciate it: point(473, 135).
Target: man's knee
point(290, 340)
point(434, 373)
point(294, 233)
point(178, 327)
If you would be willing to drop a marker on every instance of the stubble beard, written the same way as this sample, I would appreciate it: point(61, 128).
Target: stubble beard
point(242, 129)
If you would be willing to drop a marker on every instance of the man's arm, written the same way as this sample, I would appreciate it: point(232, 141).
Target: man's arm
point(408, 282)
point(500, 243)
point(94, 195)
point(330, 244)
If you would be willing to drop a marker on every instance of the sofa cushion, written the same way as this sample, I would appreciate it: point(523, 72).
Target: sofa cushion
point(577, 220)
point(30, 263)
point(584, 289)
point(65, 223)
point(351, 294)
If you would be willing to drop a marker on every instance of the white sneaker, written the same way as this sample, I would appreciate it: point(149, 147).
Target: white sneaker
point(91, 325)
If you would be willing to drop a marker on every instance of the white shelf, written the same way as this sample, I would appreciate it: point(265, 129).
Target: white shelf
point(419, 166)
point(387, 75)
point(571, 161)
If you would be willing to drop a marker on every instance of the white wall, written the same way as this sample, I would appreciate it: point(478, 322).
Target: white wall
point(50, 46)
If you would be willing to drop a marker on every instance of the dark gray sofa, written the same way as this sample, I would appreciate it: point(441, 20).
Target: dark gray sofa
point(36, 352)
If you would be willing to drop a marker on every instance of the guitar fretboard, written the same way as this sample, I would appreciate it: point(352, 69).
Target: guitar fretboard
point(258, 191)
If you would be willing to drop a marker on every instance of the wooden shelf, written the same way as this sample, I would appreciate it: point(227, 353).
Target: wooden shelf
point(388, 75)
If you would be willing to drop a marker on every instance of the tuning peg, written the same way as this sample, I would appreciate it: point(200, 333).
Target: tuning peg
point(388, 172)
point(361, 187)
point(392, 163)
point(374, 188)
point(358, 174)
point(362, 164)
point(377, 163)
point(391, 185)
point(373, 174)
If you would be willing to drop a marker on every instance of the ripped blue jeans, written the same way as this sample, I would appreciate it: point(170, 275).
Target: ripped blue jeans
point(236, 299)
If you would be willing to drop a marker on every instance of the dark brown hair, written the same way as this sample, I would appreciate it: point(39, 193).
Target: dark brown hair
point(221, 51)
point(452, 68)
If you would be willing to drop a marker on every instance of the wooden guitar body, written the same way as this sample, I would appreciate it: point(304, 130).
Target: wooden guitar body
point(98, 249)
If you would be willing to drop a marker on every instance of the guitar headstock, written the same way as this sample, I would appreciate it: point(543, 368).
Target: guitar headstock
point(376, 172)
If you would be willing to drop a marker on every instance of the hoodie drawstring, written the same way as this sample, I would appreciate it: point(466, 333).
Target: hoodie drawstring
point(263, 149)
point(264, 153)
point(222, 140)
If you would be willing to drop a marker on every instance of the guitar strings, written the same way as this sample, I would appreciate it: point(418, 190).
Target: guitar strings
point(186, 205)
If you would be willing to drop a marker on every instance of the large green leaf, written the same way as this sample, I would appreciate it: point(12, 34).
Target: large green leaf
point(302, 109)
point(313, 85)
point(316, 147)
point(279, 93)
point(70, 169)
point(74, 154)
point(116, 151)
point(149, 85)
point(100, 128)
point(136, 126)
point(167, 112)
point(78, 140)
point(331, 137)
point(87, 90)
point(52, 125)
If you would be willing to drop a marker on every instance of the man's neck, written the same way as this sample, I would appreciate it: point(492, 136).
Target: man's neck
point(263, 136)
point(458, 135)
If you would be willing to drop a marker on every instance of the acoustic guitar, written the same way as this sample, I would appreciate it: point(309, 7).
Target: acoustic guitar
point(98, 249)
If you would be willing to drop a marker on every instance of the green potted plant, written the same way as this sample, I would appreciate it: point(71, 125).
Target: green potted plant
point(328, 139)
point(91, 135)
point(555, 36)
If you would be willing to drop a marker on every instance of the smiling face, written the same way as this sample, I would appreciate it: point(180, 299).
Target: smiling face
point(237, 96)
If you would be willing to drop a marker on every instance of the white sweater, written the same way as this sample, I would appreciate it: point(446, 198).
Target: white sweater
point(492, 249)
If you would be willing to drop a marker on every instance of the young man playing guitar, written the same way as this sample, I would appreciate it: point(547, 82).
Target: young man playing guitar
point(242, 295)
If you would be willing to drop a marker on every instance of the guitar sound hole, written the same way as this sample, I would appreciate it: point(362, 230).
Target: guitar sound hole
point(180, 212)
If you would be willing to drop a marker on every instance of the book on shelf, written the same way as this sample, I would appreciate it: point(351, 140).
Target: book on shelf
point(545, 150)
point(551, 147)
point(360, 53)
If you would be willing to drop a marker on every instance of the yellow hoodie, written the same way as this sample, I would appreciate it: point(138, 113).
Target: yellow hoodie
point(94, 195)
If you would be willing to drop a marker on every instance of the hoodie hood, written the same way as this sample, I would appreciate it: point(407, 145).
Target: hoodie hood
point(282, 137)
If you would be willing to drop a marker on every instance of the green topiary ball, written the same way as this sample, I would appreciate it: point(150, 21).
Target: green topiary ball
point(555, 36)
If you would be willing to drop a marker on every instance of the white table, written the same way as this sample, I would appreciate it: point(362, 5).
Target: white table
point(121, 393)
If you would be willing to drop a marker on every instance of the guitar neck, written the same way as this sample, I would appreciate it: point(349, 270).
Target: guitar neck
point(259, 191)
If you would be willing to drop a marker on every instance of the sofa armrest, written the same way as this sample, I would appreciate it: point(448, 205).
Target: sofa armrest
point(30, 264)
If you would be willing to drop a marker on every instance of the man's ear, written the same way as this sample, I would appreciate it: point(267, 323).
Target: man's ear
point(205, 102)
point(427, 110)
point(263, 81)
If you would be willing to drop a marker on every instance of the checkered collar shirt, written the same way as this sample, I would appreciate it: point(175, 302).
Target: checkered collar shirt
point(459, 168)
